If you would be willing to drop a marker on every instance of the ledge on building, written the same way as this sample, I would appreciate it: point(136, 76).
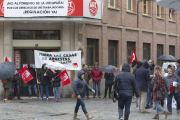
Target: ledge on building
point(145, 15)
point(159, 18)
point(131, 12)
point(172, 21)
point(112, 8)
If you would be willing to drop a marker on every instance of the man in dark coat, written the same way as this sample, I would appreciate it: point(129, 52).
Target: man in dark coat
point(32, 83)
point(126, 87)
point(44, 78)
point(15, 84)
point(142, 79)
point(149, 102)
point(80, 86)
point(87, 77)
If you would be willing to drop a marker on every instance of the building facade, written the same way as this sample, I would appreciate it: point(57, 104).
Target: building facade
point(124, 23)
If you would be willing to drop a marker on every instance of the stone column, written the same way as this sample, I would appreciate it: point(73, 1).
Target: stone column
point(104, 42)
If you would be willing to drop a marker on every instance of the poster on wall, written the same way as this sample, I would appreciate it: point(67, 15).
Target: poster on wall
point(70, 59)
point(17, 59)
point(1, 7)
point(34, 8)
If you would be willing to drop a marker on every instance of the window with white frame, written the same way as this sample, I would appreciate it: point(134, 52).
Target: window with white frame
point(112, 3)
point(158, 11)
point(130, 5)
point(145, 7)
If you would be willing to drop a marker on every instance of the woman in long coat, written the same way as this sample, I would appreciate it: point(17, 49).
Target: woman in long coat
point(159, 82)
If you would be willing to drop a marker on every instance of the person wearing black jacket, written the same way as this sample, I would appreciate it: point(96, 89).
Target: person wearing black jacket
point(80, 86)
point(108, 83)
point(126, 86)
point(56, 84)
point(32, 83)
point(44, 79)
point(15, 84)
point(142, 79)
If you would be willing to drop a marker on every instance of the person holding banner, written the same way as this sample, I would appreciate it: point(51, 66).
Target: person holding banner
point(44, 79)
point(15, 84)
point(79, 88)
point(32, 83)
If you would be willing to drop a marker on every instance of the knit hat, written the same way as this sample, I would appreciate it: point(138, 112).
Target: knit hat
point(178, 61)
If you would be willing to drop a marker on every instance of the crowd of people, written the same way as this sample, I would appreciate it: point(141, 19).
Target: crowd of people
point(144, 83)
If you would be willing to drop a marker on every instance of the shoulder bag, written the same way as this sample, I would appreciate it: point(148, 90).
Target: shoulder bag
point(161, 93)
point(115, 94)
point(74, 96)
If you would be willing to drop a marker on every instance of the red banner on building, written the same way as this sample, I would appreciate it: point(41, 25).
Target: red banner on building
point(17, 59)
point(1, 7)
point(25, 74)
point(64, 78)
point(75, 7)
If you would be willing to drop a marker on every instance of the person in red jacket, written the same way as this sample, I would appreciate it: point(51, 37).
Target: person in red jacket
point(96, 75)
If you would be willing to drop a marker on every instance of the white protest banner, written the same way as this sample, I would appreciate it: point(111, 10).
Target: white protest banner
point(35, 8)
point(70, 59)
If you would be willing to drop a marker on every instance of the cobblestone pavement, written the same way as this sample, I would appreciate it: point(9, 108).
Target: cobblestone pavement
point(100, 109)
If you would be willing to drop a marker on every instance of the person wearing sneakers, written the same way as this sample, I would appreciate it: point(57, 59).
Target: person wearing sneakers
point(80, 86)
point(173, 82)
point(44, 79)
point(56, 85)
point(96, 75)
point(126, 86)
point(159, 83)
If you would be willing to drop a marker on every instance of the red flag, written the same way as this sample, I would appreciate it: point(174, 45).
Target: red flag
point(53, 61)
point(6, 59)
point(25, 74)
point(133, 58)
point(64, 78)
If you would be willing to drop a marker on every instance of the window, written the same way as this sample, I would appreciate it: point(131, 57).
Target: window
point(92, 52)
point(159, 53)
point(171, 15)
point(130, 5)
point(172, 50)
point(129, 50)
point(112, 52)
point(145, 7)
point(146, 51)
point(158, 11)
point(112, 3)
point(36, 34)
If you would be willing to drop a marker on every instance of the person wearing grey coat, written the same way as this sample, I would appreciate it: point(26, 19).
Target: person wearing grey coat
point(173, 90)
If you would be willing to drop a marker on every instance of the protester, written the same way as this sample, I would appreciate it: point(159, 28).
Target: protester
point(44, 79)
point(96, 75)
point(142, 79)
point(126, 87)
point(15, 84)
point(139, 64)
point(159, 83)
point(149, 103)
point(7, 87)
point(108, 83)
point(32, 83)
point(170, 79)
point(56, 85)
point(87, 77)
point(80, 86)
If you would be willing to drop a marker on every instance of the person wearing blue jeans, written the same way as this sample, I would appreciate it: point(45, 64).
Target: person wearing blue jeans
point(169, 101)
point(32, 83)
point(44, 78)
point(96, 75)
point(79, 87)
point(98, 86)
point(56, 84)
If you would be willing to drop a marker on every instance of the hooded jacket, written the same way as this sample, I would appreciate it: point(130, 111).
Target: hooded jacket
point(139, 64)
point(44, 80)
point(33, 73)
point(143, 77)
point(15, 78)
point(78, 85)
point(125, 82)
point(96, 74)
point(57, 80)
